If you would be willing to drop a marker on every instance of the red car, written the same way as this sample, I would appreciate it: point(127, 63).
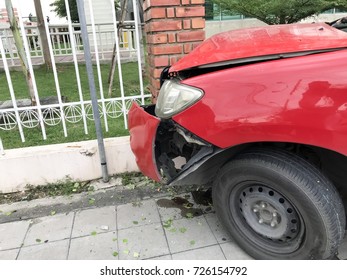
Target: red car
point(262, 115)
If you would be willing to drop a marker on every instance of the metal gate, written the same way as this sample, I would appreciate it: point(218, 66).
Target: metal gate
point(65, 46)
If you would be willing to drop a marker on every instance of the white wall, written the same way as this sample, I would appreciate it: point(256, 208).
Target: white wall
point(49, 164)
point(214, 26)
point(102, 10)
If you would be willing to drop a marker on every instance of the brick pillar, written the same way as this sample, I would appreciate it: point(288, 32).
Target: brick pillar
point(173, 28)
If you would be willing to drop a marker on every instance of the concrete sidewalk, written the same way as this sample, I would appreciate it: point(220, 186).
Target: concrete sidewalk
point(155, 228)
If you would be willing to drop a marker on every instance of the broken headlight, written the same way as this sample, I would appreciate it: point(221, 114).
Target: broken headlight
point(175, 97)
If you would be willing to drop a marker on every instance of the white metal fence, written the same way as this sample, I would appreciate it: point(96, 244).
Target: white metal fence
point(66, 42)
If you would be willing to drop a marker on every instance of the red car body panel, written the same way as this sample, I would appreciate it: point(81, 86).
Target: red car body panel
point(143, 128)
point(302, 100)
point(254, 42)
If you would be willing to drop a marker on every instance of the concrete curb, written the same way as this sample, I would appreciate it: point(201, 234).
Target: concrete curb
point(111, 196)
point(49, 164)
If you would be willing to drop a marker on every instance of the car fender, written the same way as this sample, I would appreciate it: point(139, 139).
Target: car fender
point(296, 100)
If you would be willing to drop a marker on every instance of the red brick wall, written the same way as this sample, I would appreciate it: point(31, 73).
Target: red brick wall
point(173, 28)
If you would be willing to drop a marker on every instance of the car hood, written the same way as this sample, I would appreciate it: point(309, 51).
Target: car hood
point(264, 41)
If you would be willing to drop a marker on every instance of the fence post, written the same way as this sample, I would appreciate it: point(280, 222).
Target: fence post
point(173, 28)
point(89, 66)
point(2, 151)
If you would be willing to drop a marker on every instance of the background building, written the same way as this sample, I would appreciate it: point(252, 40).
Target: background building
point(218, 20)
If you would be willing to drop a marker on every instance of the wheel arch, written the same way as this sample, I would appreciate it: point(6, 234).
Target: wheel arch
point(331, 163)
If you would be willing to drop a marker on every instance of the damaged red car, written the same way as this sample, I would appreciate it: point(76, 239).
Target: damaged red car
point(261, 114)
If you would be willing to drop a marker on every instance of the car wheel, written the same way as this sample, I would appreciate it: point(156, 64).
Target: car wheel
point(277, 205)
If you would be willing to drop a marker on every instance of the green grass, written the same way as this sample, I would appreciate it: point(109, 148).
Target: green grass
point(68, 86)
point(68, 83)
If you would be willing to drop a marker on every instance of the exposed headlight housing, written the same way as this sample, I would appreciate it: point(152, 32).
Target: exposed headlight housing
point(175, 97)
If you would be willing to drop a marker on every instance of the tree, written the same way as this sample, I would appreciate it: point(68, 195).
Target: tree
point(280, 11)
point(43, 35)
point(20, 49)
point(60, 9)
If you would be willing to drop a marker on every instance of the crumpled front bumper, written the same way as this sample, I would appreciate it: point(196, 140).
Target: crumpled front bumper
point(168, 153)
point(143, 128)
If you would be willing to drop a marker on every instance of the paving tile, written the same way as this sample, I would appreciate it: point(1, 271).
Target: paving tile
point(218, 230)
point(147, 241)
point(137, 214)
point(12, 234)
point(161, 258)
point(175, 208)
point(233, 252)
point(50, 228)
point(342, 255)
point(48, 251)
point(206, 253)
point(97, 247)
point(9, 254)
point(94, 220)
point(188, 234)
point(168, 209)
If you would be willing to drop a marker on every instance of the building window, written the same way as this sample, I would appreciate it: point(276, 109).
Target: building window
point(340, 10)
point(214, 12)
point(330, 11)
point(209, 14)
point(334, 11)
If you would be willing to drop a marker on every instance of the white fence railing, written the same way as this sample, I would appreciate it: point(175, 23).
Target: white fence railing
point(66, 41)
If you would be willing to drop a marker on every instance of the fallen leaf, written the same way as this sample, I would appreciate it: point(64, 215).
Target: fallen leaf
point(53, 213)
point(114, 239)
point(135, 222)
point(137, 204)
point(130, 186)
point(94, 233)
point(8, 213)
point(192, 243)
point(126, 252)
point(38, 240)
point(125, 241)
point(91, 200)
point(167, 223)
point(189, 215)
point(115, 254)
point(183, 230)
point(136, 255)
point(188, 205)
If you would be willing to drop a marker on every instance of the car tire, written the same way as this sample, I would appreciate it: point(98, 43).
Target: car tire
point(276, 205)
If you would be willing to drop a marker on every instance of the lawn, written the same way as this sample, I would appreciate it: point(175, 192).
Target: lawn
point(69, 89)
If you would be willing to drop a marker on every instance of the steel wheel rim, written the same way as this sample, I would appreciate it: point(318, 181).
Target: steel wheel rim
point(266, 217)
